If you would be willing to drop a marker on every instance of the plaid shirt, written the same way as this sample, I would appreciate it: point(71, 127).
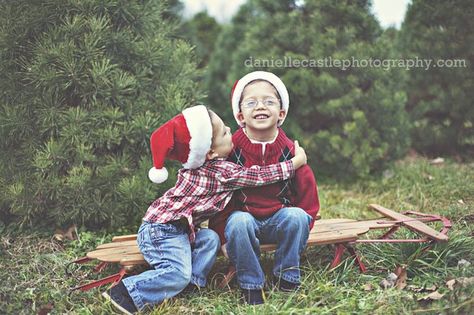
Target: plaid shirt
point(202, 192)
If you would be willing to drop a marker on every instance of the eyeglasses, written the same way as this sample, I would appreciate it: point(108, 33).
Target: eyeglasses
point(268, 102)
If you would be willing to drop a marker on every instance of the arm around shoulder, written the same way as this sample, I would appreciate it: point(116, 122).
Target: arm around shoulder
point(306, 192)
point(234, 176)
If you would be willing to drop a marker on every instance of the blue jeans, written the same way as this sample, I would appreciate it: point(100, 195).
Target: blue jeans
point(175, 262)
point(288, 228)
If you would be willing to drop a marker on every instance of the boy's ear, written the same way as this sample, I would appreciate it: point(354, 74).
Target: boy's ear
point(241, 117)
point(282, 114)
point(211, 155)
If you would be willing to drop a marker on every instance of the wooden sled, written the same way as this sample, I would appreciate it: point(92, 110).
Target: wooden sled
point(343, 233)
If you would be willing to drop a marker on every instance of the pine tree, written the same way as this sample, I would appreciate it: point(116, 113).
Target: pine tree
point(351, 121)
point(84, 84)
point(201, 31)
point(440, 99)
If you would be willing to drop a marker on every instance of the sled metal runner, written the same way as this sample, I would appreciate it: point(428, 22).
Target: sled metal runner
point(344, 234)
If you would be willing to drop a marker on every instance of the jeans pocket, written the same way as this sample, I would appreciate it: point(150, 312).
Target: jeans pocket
point(163, 231)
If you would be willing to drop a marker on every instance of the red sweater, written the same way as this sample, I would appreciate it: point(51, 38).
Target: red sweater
point(300, 191)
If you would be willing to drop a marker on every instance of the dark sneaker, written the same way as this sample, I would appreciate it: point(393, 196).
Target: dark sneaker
point(253, 297)
point(119, 297)
point(286, 286)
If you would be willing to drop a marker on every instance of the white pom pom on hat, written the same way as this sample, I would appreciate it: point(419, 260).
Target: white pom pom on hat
point(186, 138)
point(240, 85)
point(158, 176)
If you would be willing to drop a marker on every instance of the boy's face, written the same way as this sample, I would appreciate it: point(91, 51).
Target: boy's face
point(221, 138)
point(264, 111)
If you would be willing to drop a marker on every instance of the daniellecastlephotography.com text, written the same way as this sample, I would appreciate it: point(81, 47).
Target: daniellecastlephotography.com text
point(352, 62)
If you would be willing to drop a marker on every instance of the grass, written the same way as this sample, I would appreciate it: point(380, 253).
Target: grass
point(33, 278)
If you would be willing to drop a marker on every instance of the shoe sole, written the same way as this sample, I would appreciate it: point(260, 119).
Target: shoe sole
point(117, 306)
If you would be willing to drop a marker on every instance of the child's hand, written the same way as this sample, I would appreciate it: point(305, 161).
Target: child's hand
point(300, 158)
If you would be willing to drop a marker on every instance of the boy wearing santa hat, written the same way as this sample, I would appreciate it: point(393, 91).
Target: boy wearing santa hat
point(281, 213)
point(179, 253)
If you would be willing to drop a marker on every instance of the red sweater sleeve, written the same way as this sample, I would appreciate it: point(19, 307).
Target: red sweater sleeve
point(218, 222)
point(306, 192)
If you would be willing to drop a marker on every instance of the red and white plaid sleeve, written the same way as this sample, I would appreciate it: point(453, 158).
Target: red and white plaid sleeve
point(233, 176)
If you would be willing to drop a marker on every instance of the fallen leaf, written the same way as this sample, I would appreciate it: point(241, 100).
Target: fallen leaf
point(414, 288)
point(401, 282)
point(450, 284)
point(431, 288)
point(392, 277)
point(463, 263)
point(432, 296)
point(466, 281)
point(368, 287)
point(398, 270)
point(389, 282)
point(385, 284)
point(58, 237)
point(70, 233)
point(428, 176)
point(437, 161)
point(46, 309)
point(461, 201)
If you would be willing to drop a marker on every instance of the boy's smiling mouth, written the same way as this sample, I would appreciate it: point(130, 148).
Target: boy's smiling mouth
point(261, 116)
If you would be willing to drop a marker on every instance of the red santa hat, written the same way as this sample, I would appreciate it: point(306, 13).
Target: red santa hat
point(186, 138)
point(240, 85)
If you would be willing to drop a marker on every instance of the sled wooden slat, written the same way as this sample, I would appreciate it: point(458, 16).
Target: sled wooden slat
point(132, 260)
point(119, 250)
point(332, 221)
point(325, 239)
point(101, 254)
point(115, 244)
point(124, 238)
point(412, 224)
point(372, 225)
point(320, 226)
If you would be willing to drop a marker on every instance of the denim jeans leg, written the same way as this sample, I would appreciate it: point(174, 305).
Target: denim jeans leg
point(204, 253)
point(243, 248)
point(289, 229)
point(167, 250)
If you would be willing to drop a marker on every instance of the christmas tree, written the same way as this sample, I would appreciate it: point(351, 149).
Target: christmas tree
point(349, 117)
point(440, 98)
point(84, 84)
point(202, 32)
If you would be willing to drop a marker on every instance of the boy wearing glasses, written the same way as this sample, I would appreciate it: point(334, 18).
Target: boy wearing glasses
point(281, 213)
